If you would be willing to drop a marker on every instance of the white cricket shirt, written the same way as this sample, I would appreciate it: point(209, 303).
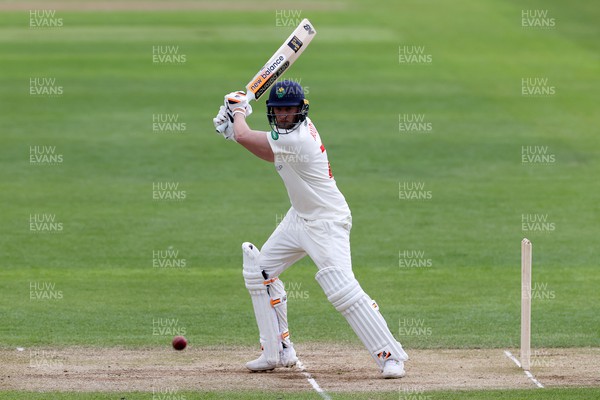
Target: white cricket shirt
point(301, 161)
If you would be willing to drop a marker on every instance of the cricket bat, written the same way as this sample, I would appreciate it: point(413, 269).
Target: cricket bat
point(283, 58)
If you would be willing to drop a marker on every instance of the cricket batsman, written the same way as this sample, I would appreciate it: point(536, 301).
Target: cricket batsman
point(317, 224)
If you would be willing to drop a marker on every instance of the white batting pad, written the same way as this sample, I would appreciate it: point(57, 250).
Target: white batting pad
point(362, 313)
point(266, 317)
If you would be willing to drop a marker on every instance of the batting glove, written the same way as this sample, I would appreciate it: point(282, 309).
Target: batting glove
point(238, 102)
point(223, 124)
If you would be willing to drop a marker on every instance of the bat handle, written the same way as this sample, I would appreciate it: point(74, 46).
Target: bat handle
point(250, 95)
point(221, 128)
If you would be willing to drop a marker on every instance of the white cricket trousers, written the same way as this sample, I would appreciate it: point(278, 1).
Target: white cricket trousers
point(326, 242)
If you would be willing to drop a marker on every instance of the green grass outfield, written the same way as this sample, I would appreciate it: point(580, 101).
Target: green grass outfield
point(101, 262)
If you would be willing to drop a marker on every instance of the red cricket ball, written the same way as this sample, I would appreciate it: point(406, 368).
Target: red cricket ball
point(179, 343)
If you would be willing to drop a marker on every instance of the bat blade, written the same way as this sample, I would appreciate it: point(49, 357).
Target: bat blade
point(283, 58)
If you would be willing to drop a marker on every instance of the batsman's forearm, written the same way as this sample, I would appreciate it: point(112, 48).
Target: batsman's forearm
point(241, 129)
point(254, 141)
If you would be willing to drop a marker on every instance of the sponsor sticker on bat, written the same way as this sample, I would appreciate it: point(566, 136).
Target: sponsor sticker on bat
point(268, 70)
point(272, 78)
point(295, 44)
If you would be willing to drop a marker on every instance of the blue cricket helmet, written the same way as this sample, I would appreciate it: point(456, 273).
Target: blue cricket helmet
point(287, 94)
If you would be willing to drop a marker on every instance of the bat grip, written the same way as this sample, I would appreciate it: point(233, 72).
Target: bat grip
point(250, 95)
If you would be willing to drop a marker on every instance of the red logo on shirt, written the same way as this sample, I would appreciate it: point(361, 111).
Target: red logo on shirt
point(313, 131)
point(315, 135)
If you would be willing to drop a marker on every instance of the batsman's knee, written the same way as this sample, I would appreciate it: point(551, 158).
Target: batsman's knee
point(254, 276)
point(340, 286)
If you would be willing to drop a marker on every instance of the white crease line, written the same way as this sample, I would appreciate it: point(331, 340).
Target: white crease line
point(509, 355)
point(312, 381)
point(529, 374)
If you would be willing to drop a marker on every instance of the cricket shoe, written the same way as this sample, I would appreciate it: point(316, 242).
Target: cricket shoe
point(260, 364)
point(393, 369)
point(287, 358)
